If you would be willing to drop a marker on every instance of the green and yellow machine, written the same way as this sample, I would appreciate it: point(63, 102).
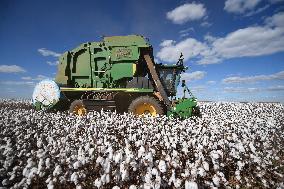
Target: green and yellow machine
point(118, 73)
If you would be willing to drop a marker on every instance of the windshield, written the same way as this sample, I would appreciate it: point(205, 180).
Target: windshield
point(170, 79)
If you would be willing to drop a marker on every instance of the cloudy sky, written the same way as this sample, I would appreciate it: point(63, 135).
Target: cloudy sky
point(234, 48)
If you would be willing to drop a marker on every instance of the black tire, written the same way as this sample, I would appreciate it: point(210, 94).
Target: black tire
point(196, 111)
point(142, 100)
point(75, 105)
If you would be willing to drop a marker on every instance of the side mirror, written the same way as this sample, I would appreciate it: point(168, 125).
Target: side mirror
point(180, 60)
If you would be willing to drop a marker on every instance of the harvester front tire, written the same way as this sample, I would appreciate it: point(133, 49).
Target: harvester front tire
point(196, 111)
point(146, 105)
point(77, 107)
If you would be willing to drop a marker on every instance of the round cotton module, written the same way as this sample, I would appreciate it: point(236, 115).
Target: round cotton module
point(46, 93)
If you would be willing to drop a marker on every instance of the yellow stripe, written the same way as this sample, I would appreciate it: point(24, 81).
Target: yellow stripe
point(106, 89)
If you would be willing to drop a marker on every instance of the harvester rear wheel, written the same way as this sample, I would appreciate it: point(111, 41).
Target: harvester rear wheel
point(146, 105)
point(77, 107)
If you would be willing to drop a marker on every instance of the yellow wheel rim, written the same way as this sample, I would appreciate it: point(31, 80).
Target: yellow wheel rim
point(145, 108)
point(80, 110)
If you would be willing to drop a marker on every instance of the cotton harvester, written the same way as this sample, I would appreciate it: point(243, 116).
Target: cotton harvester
point(119, 74)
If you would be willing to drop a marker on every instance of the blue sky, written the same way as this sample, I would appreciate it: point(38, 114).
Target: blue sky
point(234, 48)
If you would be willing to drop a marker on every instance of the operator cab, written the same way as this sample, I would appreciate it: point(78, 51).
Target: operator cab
point(170, 75)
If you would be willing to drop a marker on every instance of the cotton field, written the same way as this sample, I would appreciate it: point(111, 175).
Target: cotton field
point(232, 145)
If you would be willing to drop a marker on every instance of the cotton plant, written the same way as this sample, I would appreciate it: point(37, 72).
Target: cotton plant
point(232, 145)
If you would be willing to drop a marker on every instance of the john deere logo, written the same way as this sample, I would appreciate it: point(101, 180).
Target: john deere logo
point(121, 53)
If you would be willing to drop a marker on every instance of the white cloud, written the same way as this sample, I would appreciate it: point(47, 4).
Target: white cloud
point(46, 52)
point(26, 78)
point(251, 41)
point(211, 82)
point(197, 75)
point(55, 63)
point(276, 20)
point(209, 38)
point(240, 90)
point(206, 24)
point(9, 90)
point(11, 69)
point(253, 79)
point(276, 88)
point(186, 32)
point(167, 43)
point(240, 6)
point(253, 89)
point(37, 78)
point(253, 12)
point(247, 42)
point(187, 12)
point(199, 88)
point(189, 47)
point(28, 83)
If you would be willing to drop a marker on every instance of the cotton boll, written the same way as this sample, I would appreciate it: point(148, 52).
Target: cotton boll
point(216, 180)
point(57, 171)
point(155, 171)
point(107, 178)
point(157, 182)
point(190, 185)
point(214, 155)
point(177, 183)
point(110, 151)
point(205, 165)
point(99, 160)
point(91, 151)
point(162, 166)
point(174, 164)
point(147, 186)
point(193, 172)
point(201, 171)
point(168, 158)
point(74, 178)
point(134, 165)
point(123, 171)
point(103, 179)
point(252, 148)
point(117, 157)
point(141, 151)
point(39, 143)
point(107, 165)
point(148, 158)
point(5, 182)
point(77, 165)
point(132, 187)
point(237, 174)
point(185, 174)
point(239, 146)
point(98, 183)
point(172, 178)
point(47, 163)
point(240, 165)
point(148, 178)
point(50, 185)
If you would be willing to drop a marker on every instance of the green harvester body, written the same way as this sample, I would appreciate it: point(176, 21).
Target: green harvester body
point(114, 72)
